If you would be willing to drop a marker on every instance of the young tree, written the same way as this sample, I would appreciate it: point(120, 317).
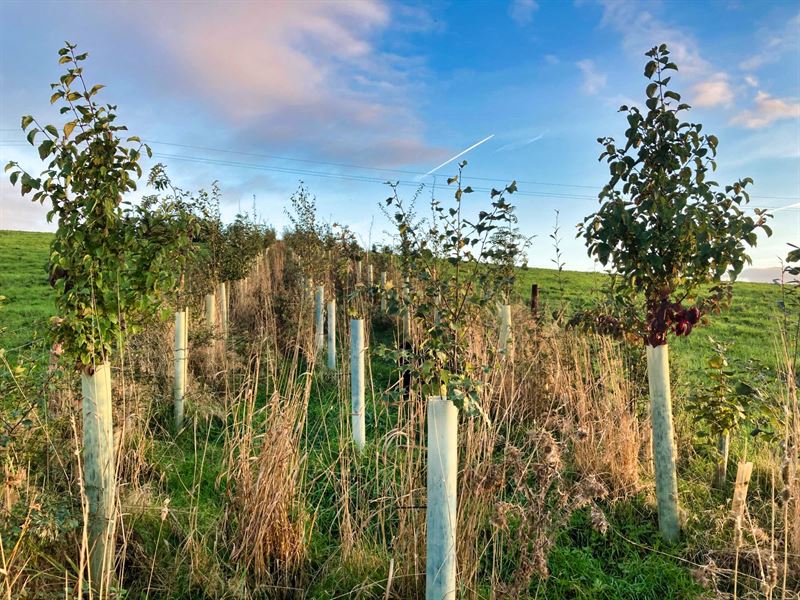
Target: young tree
point(731, 396)
point(667, 231)
point(451, 257)
point(112, 267)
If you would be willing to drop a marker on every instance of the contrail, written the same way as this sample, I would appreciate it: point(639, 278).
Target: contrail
point(796, 205)
point(462, 153)
point(519, 145)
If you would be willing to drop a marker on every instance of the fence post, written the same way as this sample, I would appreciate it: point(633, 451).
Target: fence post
point(534, 298)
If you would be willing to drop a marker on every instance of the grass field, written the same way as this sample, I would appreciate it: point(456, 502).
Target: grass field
point(749, 327)
point(23, 282)
point(630, 562)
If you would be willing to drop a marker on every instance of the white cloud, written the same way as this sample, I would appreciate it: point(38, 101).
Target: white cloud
point(641, 30)
point(751, 81)
point(714, 91)
point(775, 44)
point(766, 111)
point(551, 59)
point(593, 80)
point(522, 11)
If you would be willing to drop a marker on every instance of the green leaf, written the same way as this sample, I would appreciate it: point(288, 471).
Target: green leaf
point(45, 148)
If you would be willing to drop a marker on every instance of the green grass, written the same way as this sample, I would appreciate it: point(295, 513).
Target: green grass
point(23, 281)
point(583, 564)
point(749, 326)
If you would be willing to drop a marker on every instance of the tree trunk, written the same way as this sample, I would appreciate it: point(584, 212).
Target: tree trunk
point(663, 441)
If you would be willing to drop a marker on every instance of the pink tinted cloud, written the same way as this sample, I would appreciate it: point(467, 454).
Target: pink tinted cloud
point(766, 110)
point(287, 72)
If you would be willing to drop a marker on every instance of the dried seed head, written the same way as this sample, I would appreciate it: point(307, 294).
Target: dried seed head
point(598, 520)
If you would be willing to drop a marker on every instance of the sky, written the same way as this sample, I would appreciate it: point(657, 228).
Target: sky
point(347, 95)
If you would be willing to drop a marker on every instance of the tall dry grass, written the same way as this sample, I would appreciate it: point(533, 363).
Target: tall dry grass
point(266, 469)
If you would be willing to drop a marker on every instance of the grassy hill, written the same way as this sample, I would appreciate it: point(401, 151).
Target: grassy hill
point(23, 282)
point(749, 326)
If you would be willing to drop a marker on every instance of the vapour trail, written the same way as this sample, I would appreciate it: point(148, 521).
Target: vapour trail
point(462, 153)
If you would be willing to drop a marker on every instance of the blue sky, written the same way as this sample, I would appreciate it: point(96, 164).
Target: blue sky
point(345, 95)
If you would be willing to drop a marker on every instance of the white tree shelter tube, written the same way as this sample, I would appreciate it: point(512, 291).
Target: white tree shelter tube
point(211, 310)
point(99, 472)
point(440, 515)
point(332, 335)
point(185, 349)
point(505, 327)
point(180, 353)
point(357, 382)
point(663, 441)
point(406, 329)
point(370, 278)
point(223, 302)
point(383, 291)
point(319, 319)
